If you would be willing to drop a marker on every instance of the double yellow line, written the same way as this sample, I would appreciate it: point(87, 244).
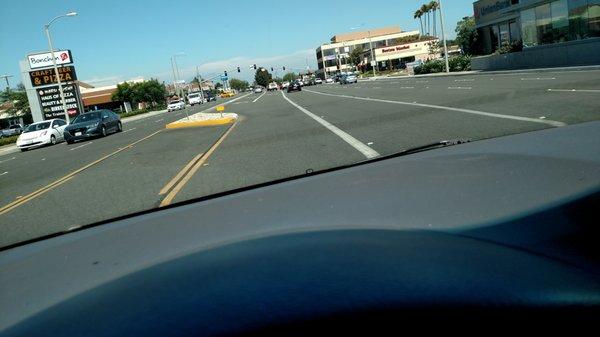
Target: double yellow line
point(172, 188)
point(66, 178)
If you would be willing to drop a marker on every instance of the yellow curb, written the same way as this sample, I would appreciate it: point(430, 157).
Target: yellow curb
point(192, 124)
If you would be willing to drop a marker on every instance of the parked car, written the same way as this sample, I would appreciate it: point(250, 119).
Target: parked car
point(12, 130)
point(294, 86)
point(347, 79)
point(258, 90)
point(48, 132)
point(176, 105)
point(329, 80)
point(92, 124)
point(272, 86)
point(195, 98)
point(318, 81)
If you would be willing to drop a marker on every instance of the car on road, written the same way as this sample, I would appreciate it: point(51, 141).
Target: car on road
point(294, 86)
point(195, 98)
point(329, 80)
point(272, 86)
point(227, 93)
point(209, 96)
point(48, 132)
point(347, 79)
point(13, 130)
point(285, 85)
point(318, 81)
point(258, 90)
point(93, 124)
point(176, 105)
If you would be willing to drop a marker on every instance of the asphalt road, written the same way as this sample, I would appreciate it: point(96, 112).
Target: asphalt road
point(278, 135)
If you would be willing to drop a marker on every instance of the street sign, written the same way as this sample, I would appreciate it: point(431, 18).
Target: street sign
point(48, 76)
point(51, 103)
point(224, 78)
point(42, 60)
point(220, 108)
point(373, 63)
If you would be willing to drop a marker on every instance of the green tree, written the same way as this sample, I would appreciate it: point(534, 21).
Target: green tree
point(356, 56)
point(218, 85)
point(151, 92)
point(124, 93)
point(263, 77)
point(466, 35)
point(289, 77)
point(238, 85)
point(20, 103)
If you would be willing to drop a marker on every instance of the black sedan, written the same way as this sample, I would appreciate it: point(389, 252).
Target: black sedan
point(92, 124)
point(294, 86)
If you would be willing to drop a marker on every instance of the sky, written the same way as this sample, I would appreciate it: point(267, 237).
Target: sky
point(117, 40)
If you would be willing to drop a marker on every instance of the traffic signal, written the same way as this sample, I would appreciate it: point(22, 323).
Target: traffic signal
point(283, 68)
point(225, 73)
point(254, 67)
point(271, 68)
point(238, 69)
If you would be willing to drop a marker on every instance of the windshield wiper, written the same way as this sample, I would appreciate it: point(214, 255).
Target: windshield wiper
point(431, 146)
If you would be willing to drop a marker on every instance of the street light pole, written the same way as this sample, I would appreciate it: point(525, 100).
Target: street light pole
point(372, 54)
point(444, 36)
point(7, 84)
point(60, 88)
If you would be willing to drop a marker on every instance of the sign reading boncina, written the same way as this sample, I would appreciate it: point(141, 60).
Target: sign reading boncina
point(43, 60)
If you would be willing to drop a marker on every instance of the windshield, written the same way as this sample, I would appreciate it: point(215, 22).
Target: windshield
point(37, 127)
point(87, 117)
point(236, 107)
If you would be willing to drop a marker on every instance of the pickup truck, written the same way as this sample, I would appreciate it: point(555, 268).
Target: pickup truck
point(12, 130)
point(195, 98)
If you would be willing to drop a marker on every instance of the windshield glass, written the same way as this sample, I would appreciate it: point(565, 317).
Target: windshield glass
point(236, 107)
point(87, 117)
point(37, 127)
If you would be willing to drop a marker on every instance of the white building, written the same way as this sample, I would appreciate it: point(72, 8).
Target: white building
point(388, 48)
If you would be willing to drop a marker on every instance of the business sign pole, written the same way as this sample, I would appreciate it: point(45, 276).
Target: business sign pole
point(60, 88)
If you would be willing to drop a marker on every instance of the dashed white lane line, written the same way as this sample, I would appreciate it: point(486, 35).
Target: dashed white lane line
point(376, 87)
point(355, 143)
point(440, 107)
point(159, 120)
point(460, 88)
point(80, 146)
point(421, 81)
point(9, 159)
point(406, 87)
point(129, 130)
point(575, 90)
point(259, 97)
point(1, 174)
point(538, 78)
point(467, 80)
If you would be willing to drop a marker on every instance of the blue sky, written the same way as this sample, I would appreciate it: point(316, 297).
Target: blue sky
point(115, 40)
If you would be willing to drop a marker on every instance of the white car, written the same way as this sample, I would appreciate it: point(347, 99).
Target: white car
point(284, 85)
point(272, 86)
point(257, 90)
point(38, 134)
point(176, 105)
point(195, 98)
point(318, 81)
point(329, 80)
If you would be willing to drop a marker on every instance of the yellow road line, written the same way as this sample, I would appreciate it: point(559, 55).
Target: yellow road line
point(169, 198)
point(64, 179)
point(175, 179)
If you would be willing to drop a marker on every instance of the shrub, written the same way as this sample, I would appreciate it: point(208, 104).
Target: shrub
point(457, 63)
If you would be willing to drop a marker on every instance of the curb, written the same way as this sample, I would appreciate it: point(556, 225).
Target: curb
point(192, 124)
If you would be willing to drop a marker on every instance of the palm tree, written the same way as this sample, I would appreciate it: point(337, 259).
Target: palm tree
point(425, 10)
point(434, 6)
point(419, 15)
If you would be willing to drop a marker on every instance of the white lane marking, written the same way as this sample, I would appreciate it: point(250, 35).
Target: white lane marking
point(257, 98)
point(468, 80)
point(460, 88)
point(538, 78)
point(43, 159)
point(575, 90)
point(1, 174)
point(406, 87)
point(129, 130)
point(80, 146)
point(422, 82)
point(376, 87)
point(355, 143)
point(394, 82)
point(5, 160)
point(159, 120)
point(440, 107)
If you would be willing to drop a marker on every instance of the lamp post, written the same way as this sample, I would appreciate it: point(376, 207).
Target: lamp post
point(370, 48)
point(60, 88)
point(444, 36)
point(6, 77)
point(176, 73)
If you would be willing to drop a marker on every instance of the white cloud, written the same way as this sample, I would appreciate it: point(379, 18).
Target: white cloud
point(107, 80)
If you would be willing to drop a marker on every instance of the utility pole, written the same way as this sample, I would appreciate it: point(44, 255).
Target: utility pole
point(444, 36)
point(7, 84)
point(199, 83)
point(372, 54)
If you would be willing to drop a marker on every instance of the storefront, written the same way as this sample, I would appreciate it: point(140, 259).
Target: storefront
point(396, 57)
point(516, 24)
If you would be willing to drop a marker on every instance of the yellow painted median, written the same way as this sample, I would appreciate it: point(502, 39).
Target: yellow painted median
point(208, 122)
